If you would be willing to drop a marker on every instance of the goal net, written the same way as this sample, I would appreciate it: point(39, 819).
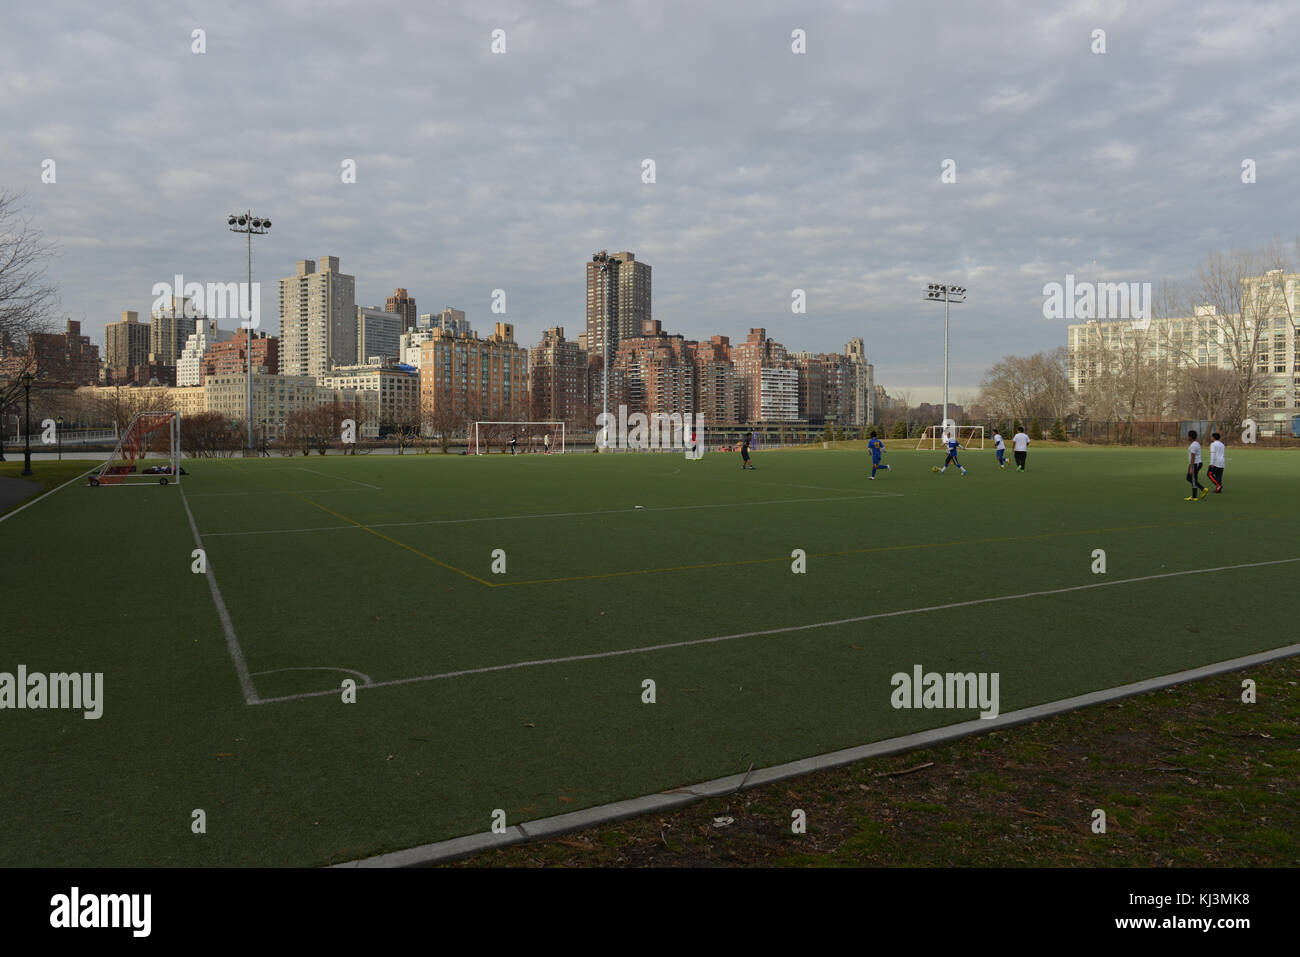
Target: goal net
point(528, 437)
point(936, 437)
point(158, 433)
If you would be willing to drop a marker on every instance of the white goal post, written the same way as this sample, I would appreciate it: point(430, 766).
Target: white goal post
point(530, 436)
point(970, 436)
point(157, 432)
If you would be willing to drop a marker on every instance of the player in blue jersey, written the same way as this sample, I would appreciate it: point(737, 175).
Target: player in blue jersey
point(877, 449)
point(953, 446)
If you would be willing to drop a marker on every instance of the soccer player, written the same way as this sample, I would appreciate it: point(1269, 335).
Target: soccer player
point(877, 448)
point(1194, 469)
point(514, 441)
point(547, 442)
point(745, 463)
point(953, 446)
point(1021, 443)
point(1000, 448)
point(1218, 461)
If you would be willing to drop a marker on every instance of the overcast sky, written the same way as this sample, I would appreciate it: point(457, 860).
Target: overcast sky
point(775, 171)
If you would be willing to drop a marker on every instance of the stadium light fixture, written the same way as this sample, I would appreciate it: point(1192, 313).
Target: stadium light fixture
point(945, 293)
point(252, 226)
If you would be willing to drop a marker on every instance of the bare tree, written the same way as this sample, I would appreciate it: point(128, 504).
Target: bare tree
point(28, 299)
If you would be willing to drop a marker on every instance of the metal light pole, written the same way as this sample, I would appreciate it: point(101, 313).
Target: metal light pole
point(26, 379)
point(59, 423)
point(942, 292)
point(604, 265)
point(252, 226)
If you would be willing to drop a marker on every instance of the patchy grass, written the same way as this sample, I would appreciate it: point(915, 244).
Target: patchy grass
point(1188, 777)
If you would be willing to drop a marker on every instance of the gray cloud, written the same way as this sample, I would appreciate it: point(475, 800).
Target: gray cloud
point(775, 171)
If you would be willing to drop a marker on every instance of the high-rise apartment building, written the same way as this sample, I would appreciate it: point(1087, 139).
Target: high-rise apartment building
point(618, 299)
point(478, 378)
point(379, 334)
point(230, 356)
point(751, 357)
point(126, 343)
point(557, 379)
point(189, 367)
point(654, 372)
point(399, 303)
point(171, 328)
point(715, 381)
point(451, 320)
point(318, 318)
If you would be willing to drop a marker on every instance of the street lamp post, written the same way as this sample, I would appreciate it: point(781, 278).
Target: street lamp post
point(942, 292)
point(252, 226)
point(59, 422)
point(26, 379)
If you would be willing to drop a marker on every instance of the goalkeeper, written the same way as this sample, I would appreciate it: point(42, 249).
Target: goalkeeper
point(877, 449)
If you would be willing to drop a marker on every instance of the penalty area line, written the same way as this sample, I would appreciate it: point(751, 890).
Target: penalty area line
point(646, 649)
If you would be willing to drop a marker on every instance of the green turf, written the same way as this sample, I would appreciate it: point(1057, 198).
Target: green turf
point(100, 580)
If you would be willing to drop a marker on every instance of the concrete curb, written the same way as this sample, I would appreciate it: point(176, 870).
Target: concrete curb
point(441, 852)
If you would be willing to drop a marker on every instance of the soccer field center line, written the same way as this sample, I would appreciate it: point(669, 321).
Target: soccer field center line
point(232, 641)
point(787, 629)
point(393, 541)
point(851, 551)
point(508, 518)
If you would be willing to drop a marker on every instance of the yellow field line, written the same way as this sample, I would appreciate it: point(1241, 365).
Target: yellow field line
point(393, 541)
point(854, 551)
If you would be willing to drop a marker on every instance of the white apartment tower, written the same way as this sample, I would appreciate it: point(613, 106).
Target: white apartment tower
point(318, 318)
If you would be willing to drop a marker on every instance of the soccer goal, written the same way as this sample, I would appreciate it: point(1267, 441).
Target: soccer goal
point(529, 436)
point(156, 432)
point(970, 436)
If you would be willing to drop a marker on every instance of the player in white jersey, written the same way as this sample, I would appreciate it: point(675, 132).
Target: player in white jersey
point(1000, 448)
point(1194, 469)
point(1218, 461)
point(1021, 442)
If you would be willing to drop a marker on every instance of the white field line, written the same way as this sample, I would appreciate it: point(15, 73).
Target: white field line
point(232, 642)
point(508, 518)
point(302, 468)
point(785, 630)
point(46, 495)
point(277, 491)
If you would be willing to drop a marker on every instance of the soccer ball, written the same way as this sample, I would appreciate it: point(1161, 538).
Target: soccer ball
point(934, 468)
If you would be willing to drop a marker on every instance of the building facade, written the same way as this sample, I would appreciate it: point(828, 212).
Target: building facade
point(464, 376)
point(318, 318)
point(618, 299)
point(557, 379)
point(379, 334)
point(403, 306)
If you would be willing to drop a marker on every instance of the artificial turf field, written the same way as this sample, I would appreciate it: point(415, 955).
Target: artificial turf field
point(523, 691)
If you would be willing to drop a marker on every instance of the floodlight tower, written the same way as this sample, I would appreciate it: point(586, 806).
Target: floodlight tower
point(605, 265)
point(253, 226)
point(945, 293)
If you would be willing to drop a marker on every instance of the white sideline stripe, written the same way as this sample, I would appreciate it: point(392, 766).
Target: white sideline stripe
point(43, 495)
point(280, 491)
point(548, 827)
point(232, 642)
point(508, 518)
point(303, 468)
point(789, 628)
